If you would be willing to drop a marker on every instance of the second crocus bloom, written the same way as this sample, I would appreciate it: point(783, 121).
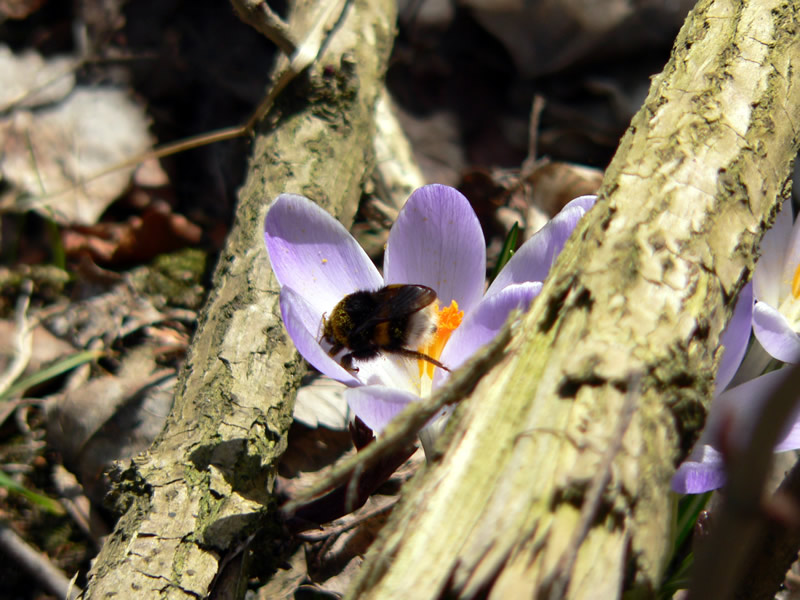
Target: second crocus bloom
point(776, 286)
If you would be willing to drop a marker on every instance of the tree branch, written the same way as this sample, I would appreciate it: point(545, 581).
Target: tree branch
point(644, 288)
point(205, 484)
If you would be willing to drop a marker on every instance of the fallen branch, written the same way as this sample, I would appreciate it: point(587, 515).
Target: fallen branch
point(205, 485)
point(645, 285)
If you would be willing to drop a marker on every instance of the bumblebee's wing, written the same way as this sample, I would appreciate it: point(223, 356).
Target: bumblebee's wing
point(397, 301)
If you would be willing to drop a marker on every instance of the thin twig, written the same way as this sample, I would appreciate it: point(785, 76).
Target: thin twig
point(37, 564)
point(533, 132)
point(333, 530)
point(304, 55)
point(259, 15)
point(403, 430)
point(78, 506)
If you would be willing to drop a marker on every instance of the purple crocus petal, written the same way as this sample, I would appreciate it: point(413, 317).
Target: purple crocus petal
point(302, 321)
point(437, 241)
point(701, 473)
point(768, 277)
point(312, 253)
point(791, 441)
point(735, 337)
point(733, 414)
point(376, 405)
point(582, 202)
point(481, 325)
point(775, 333)
point(533, 260)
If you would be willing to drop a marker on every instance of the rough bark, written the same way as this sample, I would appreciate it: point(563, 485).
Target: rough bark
point(204, 486)
point(626, 328)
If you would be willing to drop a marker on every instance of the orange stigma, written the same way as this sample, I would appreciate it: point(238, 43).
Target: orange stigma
point(796, 283)
point(447, 321)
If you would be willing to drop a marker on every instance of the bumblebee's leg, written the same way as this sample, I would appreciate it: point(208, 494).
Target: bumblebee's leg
point(407, 352)
point(335, 349)
point(347, 363)
point(364, 354)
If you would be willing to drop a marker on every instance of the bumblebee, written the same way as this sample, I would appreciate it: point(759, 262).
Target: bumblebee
point(393, 319)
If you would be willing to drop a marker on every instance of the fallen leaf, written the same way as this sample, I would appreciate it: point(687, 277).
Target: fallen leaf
point(556, 183)
point(111, 417)
point(52, 157)
point(108, 316)
point(28, 80)
point(139, 239)
point(19, 9)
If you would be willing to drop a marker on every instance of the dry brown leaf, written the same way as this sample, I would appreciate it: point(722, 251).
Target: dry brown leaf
point(110, 418)
point(139, 239)
point(27, 80)
point(106, 316)
point(283, 584)
point(19, 9)
point(556, 183)
point(48, 153)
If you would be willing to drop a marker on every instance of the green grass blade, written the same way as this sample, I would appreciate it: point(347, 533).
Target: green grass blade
point(54, 370)
point(509, 246)
point(48, 504)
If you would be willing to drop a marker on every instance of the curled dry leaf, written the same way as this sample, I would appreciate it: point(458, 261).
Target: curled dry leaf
point(19, 9)
point(110, 418)
point(139, 239)
point(50, 156)
point(529, 197)
point(27, 80)
point(552, 185)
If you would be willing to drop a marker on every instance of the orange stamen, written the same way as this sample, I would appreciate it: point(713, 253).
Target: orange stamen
point(448, 320)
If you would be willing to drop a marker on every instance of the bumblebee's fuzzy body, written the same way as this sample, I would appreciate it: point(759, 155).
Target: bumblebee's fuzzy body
point(394, 319)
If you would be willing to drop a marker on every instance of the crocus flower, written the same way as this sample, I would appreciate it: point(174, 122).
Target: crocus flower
point(733, 410)
point(775, 323)
point(776, 284)
point(729, 425)
point(436, 242)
